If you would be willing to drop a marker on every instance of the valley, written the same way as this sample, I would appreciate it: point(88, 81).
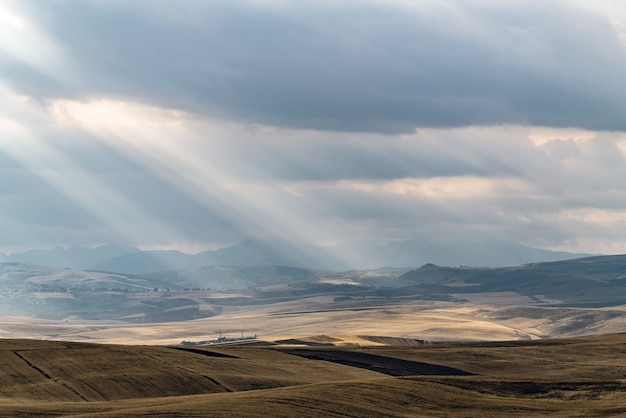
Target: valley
point(523, 340)
point(534, 301)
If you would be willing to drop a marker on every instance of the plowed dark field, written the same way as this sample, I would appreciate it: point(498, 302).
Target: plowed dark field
point(388, 365)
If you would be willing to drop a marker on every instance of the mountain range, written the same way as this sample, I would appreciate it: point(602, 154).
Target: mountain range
point(200, 292)
point(274, 252)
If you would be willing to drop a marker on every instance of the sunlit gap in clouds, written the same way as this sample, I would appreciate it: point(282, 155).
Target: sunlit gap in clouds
point(24, 41)
point(29, 45)
point(41, 157)
point(203, 158)
point(24, 134)
point(193, 154)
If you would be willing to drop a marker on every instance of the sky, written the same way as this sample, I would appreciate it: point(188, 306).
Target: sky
point(195, 124)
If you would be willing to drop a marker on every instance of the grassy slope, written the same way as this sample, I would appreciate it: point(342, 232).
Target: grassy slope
point(575, 377)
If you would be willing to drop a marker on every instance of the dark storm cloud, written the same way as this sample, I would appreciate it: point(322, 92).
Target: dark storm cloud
point(358, 66)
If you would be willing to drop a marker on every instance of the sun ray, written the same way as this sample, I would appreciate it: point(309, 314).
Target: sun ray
point(190, 154)
point(118, 213)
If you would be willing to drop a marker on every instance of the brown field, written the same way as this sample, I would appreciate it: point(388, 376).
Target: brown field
point(324, 376)
point(426, 320)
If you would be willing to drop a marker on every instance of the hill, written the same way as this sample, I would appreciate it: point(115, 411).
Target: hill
point(573, 377)
point(567, 298)
point(591, 281)
point(63, 294)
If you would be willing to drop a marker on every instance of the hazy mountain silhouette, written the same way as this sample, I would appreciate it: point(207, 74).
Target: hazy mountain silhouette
point(220, 277)
point(589, 281)
point(261, 252)
point(252, 252)
point(146, 262)
point(279, 252)
point(74, 257)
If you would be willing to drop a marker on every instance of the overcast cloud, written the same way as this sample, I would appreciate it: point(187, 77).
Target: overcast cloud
point(193, 124)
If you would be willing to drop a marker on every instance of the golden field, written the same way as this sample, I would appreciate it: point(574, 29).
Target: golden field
point(426, 320)
point(316, 376)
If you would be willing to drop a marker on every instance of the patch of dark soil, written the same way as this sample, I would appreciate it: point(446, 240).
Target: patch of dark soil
point(393, 340)
point(386, 365)
point(204, 352)
point(538, 389)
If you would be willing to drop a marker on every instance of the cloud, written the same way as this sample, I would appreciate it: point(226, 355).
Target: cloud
point(192, 123)
point(177, 177)
point(355, 66)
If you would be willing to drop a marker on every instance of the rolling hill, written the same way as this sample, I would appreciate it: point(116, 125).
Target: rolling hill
point(563, 378)
point(566, 298)
point(590, 281)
